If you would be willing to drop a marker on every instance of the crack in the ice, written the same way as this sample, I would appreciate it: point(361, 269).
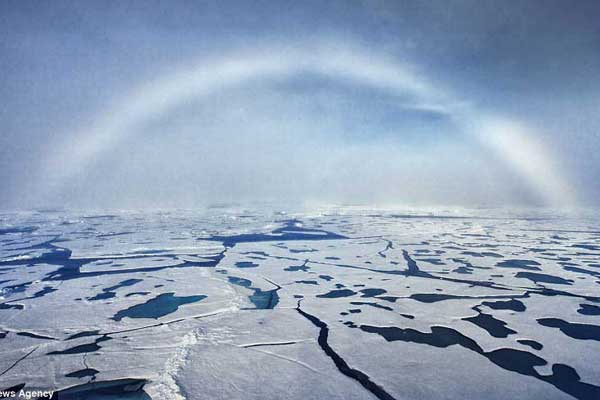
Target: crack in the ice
point(98, 333)
point(246, 346)
point(389, 246)
point(339, 362)
point(18, 361)
point(293, 360)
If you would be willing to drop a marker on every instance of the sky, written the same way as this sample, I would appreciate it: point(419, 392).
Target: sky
point(134, 104)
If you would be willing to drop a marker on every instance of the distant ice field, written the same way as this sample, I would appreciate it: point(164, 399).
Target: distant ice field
point(342, 303)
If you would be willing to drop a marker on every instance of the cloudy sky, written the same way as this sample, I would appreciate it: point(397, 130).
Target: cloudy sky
point(187, 103)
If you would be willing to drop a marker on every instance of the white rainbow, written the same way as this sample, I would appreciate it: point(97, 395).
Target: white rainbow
point(511, 140)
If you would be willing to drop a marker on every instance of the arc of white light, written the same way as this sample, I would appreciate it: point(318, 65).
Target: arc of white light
point(514, 142)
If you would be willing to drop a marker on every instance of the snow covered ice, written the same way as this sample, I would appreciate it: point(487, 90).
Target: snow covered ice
point(334, 304)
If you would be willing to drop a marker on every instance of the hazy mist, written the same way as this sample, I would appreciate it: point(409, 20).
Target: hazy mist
point(185, 104)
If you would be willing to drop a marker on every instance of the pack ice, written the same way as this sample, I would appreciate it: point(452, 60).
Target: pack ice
point(329, 304)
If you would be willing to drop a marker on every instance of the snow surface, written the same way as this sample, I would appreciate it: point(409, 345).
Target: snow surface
point(340, 304)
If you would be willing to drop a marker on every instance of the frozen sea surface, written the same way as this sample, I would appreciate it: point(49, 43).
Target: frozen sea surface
point(337, 304)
